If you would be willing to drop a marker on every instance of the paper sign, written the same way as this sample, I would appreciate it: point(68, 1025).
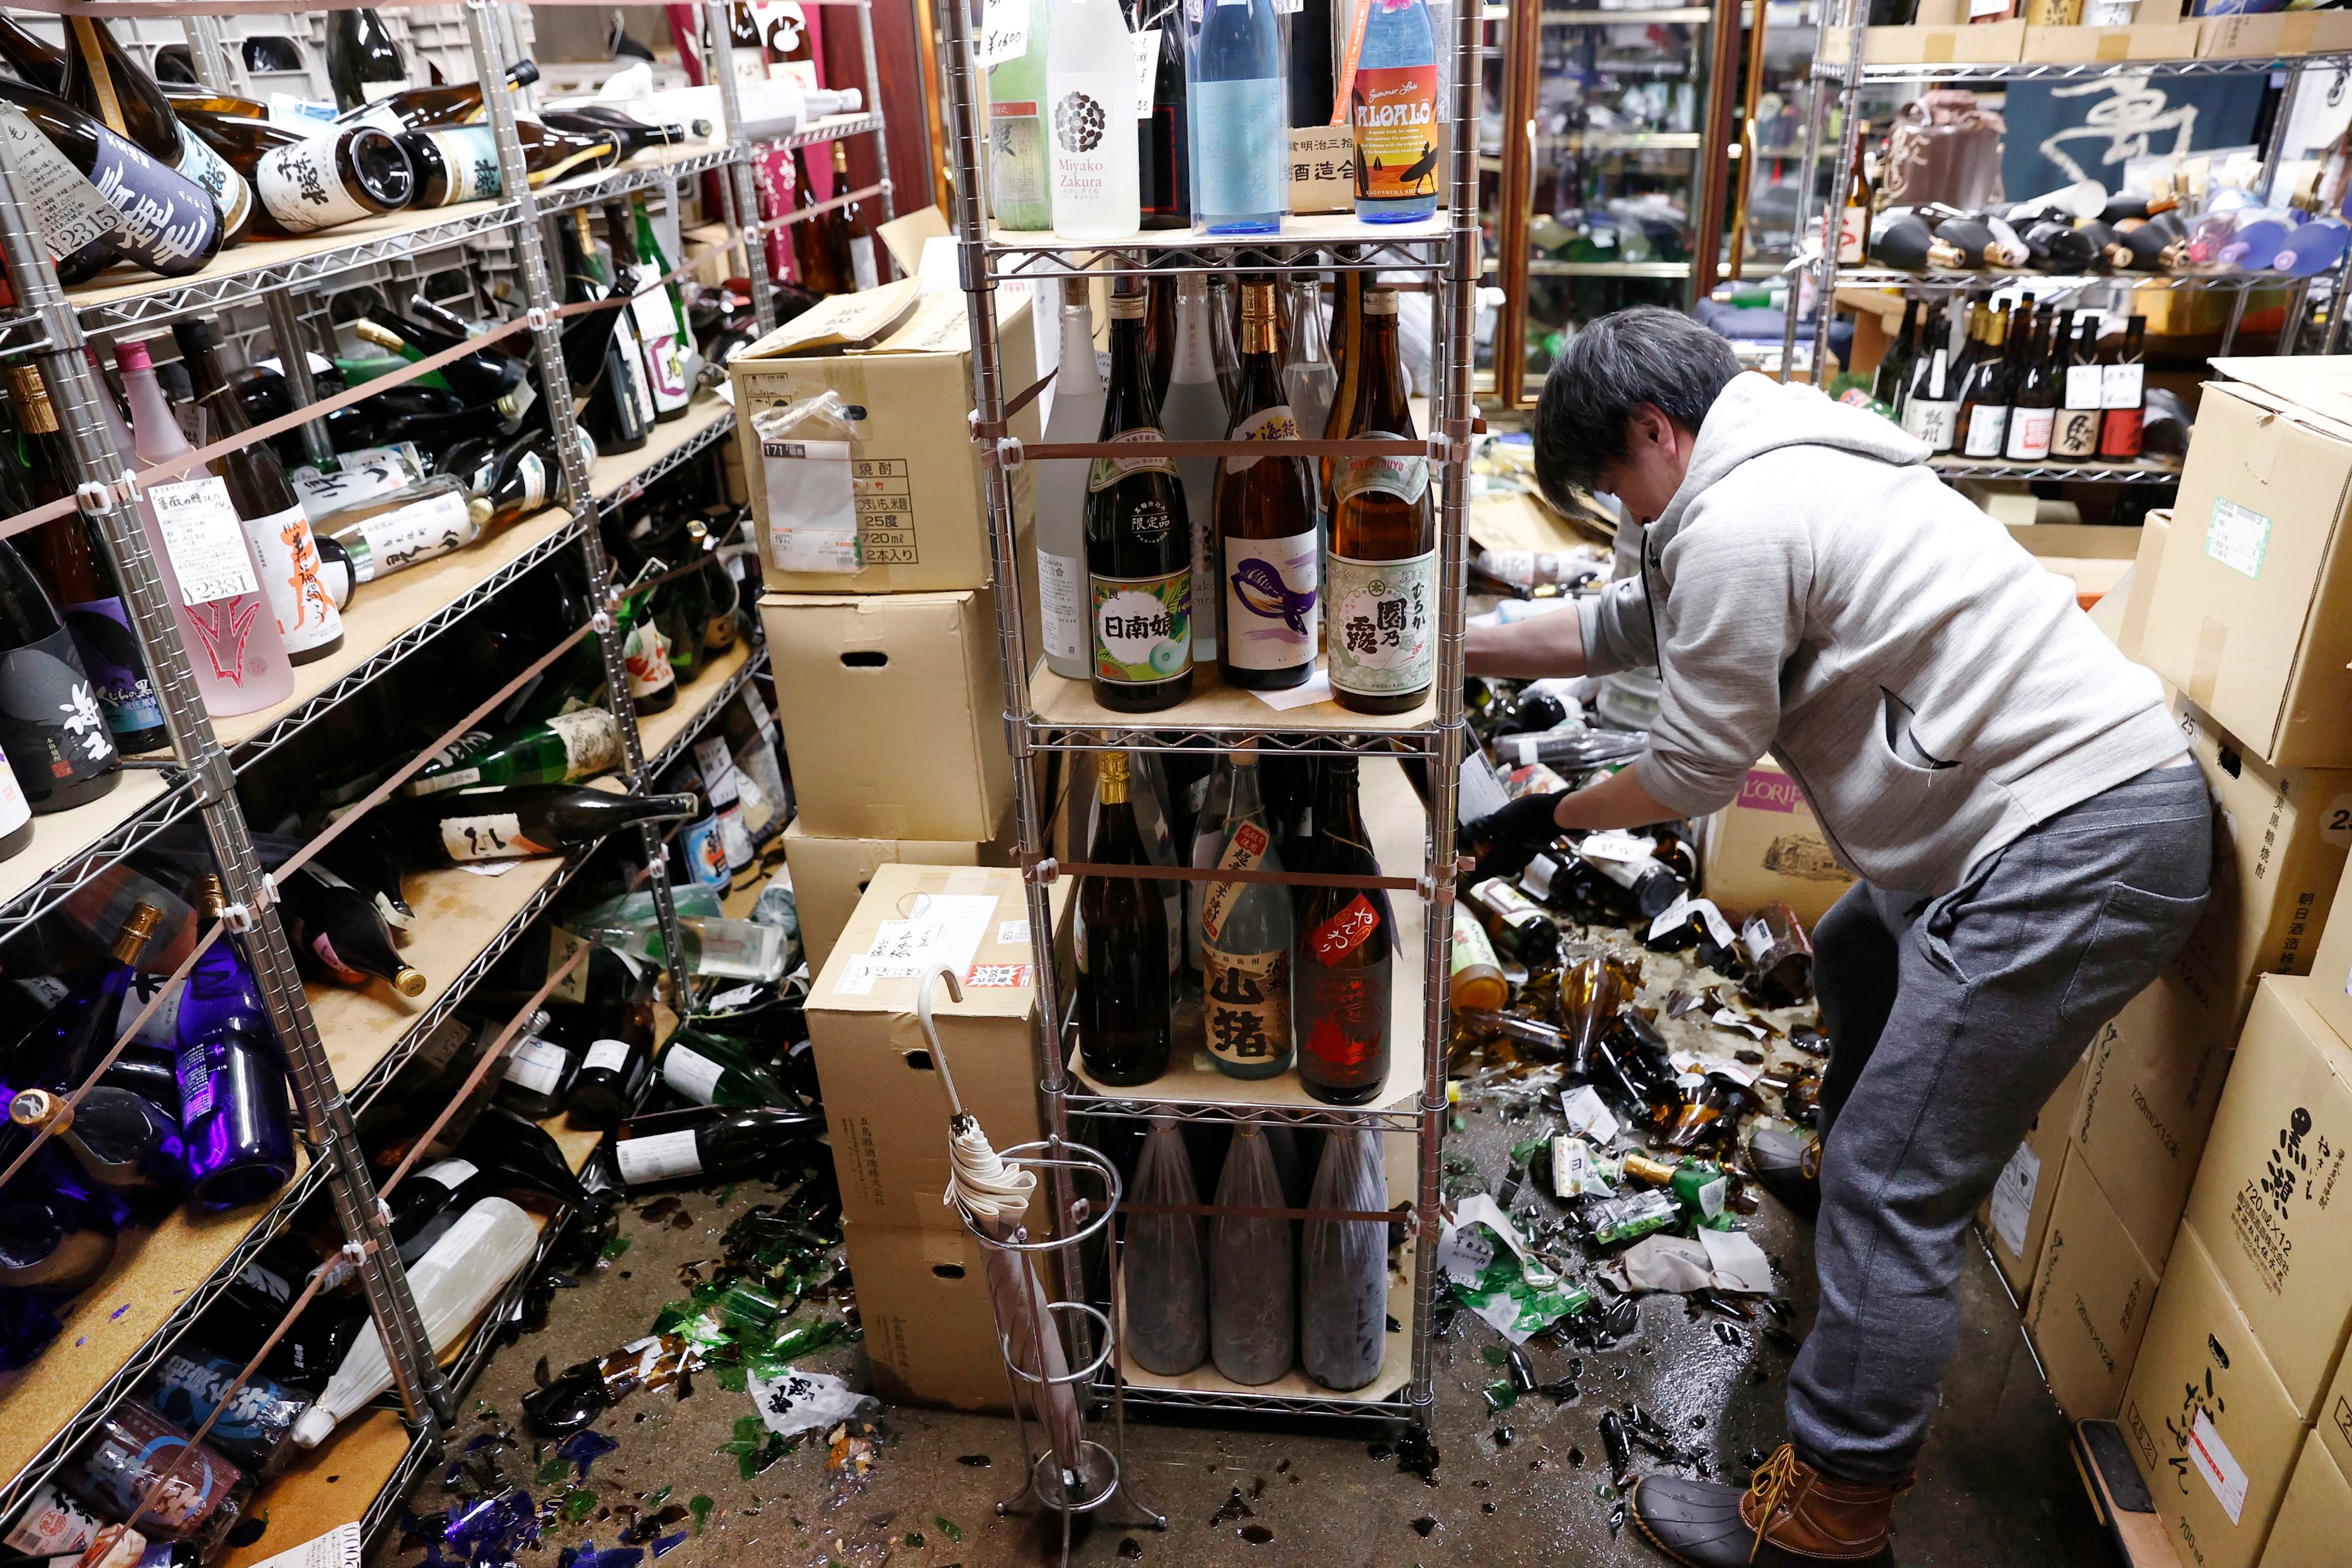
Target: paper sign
point(2218, 1466)
point(945, 930)
point(1003, 32)
point(812, 513)
point(203, 538)
point(1147, 67)
point(2013, 1198)
point(339, 1548)
point(1012, 933)
point(1587, 1114)
point(2237, 538)
point(70, 213)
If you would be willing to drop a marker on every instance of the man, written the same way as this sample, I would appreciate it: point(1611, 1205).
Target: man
point(2032, 840)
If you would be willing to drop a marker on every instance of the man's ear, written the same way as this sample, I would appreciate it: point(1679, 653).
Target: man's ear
point(1648, 424)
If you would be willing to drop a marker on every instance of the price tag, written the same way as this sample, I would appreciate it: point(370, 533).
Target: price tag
point(70, 213)
point(1147, 67)
point(1003, 32)
point(2086, 385)
point(204, 540)
point(2119, 385)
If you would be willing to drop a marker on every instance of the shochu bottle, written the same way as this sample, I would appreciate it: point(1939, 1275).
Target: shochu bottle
point(1265, 517)
point(1122, 948)
point(1346, 954)
point(1138, 543)
point(1382, 584)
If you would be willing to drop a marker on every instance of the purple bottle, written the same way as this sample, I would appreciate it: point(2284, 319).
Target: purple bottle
point(233, 1107)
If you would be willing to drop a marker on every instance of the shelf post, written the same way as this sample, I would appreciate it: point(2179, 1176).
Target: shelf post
point(110, 499)
point(874, 108)
point(720, 59)
point(579, 490)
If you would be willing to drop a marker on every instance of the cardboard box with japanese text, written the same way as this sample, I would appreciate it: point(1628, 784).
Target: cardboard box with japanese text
point(829, 875)
point(2315, 1520)
point(930, 1333)
point(2091, 1298)
point(1765, 847)
point(2155, 1076)
point(893, 712)
point(2272, 1198)
point(2209, 1425)
point(886, 1105)
point(2331, 961)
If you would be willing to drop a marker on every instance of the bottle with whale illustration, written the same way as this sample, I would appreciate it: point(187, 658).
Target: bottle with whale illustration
point(1266, 512)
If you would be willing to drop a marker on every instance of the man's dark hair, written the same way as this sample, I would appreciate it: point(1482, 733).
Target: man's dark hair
point(1614, 366)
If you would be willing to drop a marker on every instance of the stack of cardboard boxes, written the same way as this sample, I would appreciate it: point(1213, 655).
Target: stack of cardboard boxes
point(876, 555)
point(2203, 1211)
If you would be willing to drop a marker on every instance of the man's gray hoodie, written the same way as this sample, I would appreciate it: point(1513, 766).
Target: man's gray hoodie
point(1815, 591)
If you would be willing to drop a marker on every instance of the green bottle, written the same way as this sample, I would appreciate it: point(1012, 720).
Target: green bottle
point(645, 650)
point(711, 1070)
point(564, 749)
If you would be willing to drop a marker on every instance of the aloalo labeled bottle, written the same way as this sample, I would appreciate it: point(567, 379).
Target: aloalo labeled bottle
point(1381, 579)
point(1245, 929)
point(1343, 968)
point(1393, 108)
point(1122, 948)
point(1139, 548)
point(1269, 535)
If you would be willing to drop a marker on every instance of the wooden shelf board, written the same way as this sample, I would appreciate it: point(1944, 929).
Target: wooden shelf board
point(608, 475)
point(1396, 1370)
point(1064, 704)
point(333, 1486)
point(62, 835)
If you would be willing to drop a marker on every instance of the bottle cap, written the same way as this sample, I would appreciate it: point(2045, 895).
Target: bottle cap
point(1379, 302)
point(1127, 307)
point(36, 1106)
point(136, 932)
point(210, 897)
point(409, 982)
point(129, 357)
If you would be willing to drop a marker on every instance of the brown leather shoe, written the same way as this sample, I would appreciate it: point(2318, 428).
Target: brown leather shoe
point(1790, 1514)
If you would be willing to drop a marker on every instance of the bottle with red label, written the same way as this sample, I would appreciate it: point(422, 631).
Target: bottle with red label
point(1344, 962)
point(1392, 104)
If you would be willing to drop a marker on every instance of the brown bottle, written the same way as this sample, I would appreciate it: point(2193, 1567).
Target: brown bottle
point(1380, 583)
point(1264, 515)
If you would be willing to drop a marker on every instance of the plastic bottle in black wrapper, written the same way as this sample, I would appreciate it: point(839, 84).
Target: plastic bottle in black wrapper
point(1343, 1266)
point(1167, 1267)
point(1253, 1307)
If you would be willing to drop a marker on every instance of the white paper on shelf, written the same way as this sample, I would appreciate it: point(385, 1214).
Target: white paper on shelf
point(1317, 688)
point(339, 1548)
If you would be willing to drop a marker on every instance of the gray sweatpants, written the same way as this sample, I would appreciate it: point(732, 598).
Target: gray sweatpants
point(1950, 1022)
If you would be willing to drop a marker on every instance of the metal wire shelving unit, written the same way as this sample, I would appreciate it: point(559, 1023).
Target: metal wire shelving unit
point(1046, 714)
point(1842, 80)
point(342, 1047)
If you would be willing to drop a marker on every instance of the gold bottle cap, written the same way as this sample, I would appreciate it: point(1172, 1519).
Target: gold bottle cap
point(211, 899)
point(136, 932)
point(1127, 307)
point(382, 337)
point(1379, 302)
point(409, 982)
point(1651, 1173)
point(38, 1107)
point(1258, 300)
point(1110, 778)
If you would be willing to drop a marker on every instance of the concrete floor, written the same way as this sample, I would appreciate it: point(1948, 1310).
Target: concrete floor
point(1995, 1487)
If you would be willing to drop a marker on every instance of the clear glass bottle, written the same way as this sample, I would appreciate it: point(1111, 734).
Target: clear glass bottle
point(1239, 111)
point(1309, 375)
point(1245, 932)
point(1195, 410)
point(1075, 415)
point(1020, 193)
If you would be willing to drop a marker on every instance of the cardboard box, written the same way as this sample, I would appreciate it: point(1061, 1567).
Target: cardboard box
point(883, 1097)
point(2091, 1298)
point(915, 482)
point(1767, 847)
point(2330, 994)
point(2271, 1199)
point(2209, 1425)
point(2140, 41)
point(2016, 1217)
point(2314, 1520)
point(893, 710)
point(2154, 1074)
point(2132, 630)
point(2251, 37)
point(2283, 835)
point(2336, 1416)
point(2092, 557)
point(931, 1334)
point(830, 875)
point(1994, 43)
point(2249, 617)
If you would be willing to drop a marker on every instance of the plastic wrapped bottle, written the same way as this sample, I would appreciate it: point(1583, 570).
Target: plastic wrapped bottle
point(1343, 1295)
point(1167, 1277)
point(132, 1446)
point(1253, 1310)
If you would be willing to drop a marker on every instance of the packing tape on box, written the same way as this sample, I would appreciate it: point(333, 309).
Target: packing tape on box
point(2262, 450)
point(2212, 640)
point(2297, 31)
point(1937, 48)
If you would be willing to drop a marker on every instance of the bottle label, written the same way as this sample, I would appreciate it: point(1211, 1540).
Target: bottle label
point(299, 189)
point(207, 169)
point(1016, 171)
point(1143, 627)
point(71, 213)
point(659, 1158)
point(650, 304)
point(1394, 109)
point(1271, 609)
point(1407, 479)
point(1344, 932)
point(706, 853)
point(1275, 423)
point(2119, 433)
point(51, 1525)
point(734, 836)
point(1384, 639)
point(1245, 1002)
point(1931, 421)
point(201, 537)
point(1147, 71)
point(2029, 434)
point(50, 718)
point(109, 651)
point(498, 836)
point(646, 655)
point(538, 1065)
point(2085, 383)
point(377, 91)
point(1244, 852)
point(2075, 433)
point(1344, 1013)
point(530, 470)
point(451, 1174)
point(355, 480)
point(1061, 597)
point(1107, 471)
point(609, 1056)
point(196, 1084)
point(862, 269)
point(167, 221)
point(592, 741)
point(1987, 424)
point(15, 812)
point(307, 616)
point(2120, 386)
point(417, 532)
point(692, 1074)
point(1240, 147)
point(470, 154)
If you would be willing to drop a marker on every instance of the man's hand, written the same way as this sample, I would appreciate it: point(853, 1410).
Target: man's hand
point(1511, 836)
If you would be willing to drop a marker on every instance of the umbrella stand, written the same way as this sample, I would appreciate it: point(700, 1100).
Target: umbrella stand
point(992, 1192)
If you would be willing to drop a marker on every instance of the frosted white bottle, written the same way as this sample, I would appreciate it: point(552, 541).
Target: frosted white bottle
point(1193, 409)
point(1090, 121)
point(455, 1279)
point(1075, 415)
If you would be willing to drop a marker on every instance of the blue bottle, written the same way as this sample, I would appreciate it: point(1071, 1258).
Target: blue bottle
point(1241, 119)
point(233, 1107)
point(1393, 106)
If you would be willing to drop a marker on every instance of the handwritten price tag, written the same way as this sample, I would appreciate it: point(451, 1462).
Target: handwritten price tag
point(1003, 32)
point(204, 540)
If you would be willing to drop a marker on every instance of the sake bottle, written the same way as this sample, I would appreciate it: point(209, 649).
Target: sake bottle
point(1246, 930)
point(1138, 554)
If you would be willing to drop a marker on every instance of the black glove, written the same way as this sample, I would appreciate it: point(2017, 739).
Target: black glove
point(1507, 839)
